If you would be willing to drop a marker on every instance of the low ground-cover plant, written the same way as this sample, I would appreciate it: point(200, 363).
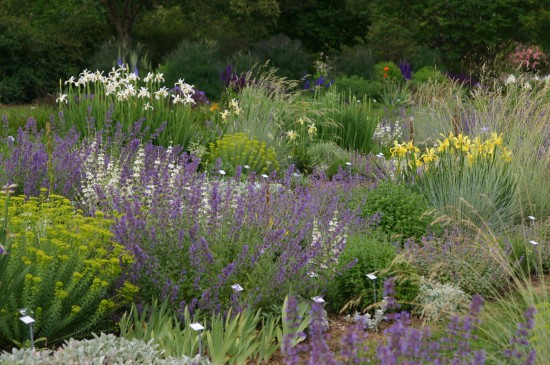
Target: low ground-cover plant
point(105, 349)
point(60, 266)
point(460, 260)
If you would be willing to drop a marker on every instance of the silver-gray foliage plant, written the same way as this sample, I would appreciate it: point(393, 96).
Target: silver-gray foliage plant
point(437, 301)
point(103, 349)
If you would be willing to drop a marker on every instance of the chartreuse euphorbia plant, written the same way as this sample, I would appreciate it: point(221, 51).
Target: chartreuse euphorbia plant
point(62, 267)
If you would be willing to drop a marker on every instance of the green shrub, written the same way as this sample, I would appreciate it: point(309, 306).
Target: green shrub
point(328, 156)
point(60, 266)
point(387, 72)
point(359, 87)
point(200, 63)
point(103, 349)
point(357, 61)
point(286, 54)
point(372, 253)
point(426, 74)
point(240, 149)
point(424, 56)
point(244, 61)
point(404, 212)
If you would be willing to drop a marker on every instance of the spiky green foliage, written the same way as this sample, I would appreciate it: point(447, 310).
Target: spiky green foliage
point(69, 266)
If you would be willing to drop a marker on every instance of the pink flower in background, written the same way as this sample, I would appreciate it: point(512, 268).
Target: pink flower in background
point(529, 58)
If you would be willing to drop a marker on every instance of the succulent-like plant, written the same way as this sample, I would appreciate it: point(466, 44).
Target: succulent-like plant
point(240, 149)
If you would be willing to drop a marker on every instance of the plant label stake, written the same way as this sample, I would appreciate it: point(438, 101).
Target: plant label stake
point(28, 320)
point(373, 278)
point(198, 328)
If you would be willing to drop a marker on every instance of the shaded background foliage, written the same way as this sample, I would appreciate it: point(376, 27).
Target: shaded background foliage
point(44, 41)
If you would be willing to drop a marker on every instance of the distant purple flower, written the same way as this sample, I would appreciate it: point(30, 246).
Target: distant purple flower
point(406, 70)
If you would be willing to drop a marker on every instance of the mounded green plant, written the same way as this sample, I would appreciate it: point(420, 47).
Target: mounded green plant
point(368, 253)
point(357, 61)
point(240, 149)
point(288, 55)
point(404, 212)
point(387, 72)
point(359, 87)
point(199, 62)
point(426, 74)
point(70, 268)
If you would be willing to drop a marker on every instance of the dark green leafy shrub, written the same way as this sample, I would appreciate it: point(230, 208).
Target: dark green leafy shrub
point(31, 63)
point(62, 267)
point(422, 56)
point(286, 54)
point(199, 63)
point(359, 87)
point(244, 61)
point(240, 149)
point(371, 253)
point(357, 61)
point(404, 212)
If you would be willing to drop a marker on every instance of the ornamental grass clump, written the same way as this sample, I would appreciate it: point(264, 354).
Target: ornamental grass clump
point(62, 267)
point(468, 181)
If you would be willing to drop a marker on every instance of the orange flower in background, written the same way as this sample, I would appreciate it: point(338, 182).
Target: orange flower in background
point(214, 107)
point(385, 75)
point(386, 69)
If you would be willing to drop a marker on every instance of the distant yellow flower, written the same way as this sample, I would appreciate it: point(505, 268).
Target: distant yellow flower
point(214, 107)
point(462, 142)
point(496, 138)
point(312, 130)
point(411, 147)
point(399, 150)
point(506, 154)
point(429, 155)
point(443, 145)
point(75, 309)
